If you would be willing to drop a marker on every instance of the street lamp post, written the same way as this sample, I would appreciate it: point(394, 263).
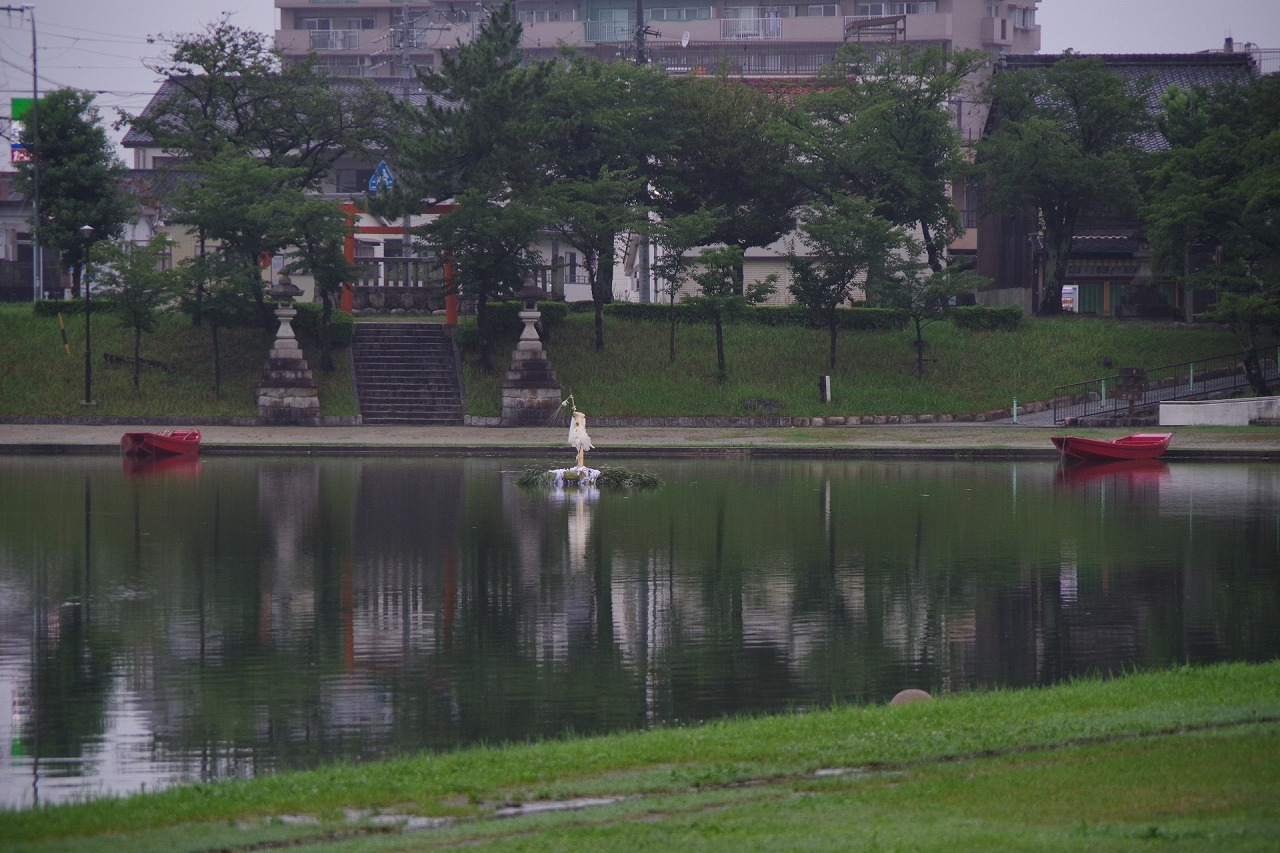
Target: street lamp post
point(86, 232)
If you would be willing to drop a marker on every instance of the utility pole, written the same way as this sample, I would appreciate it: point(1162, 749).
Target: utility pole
point(37, 257)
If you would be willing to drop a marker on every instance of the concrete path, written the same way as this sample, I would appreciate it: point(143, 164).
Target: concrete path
point(987, 440)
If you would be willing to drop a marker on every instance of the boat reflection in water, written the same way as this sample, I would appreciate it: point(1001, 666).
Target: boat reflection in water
point(161, 466)
point(1133, 470)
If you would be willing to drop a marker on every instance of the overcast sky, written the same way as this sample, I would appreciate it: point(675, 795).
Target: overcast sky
point(101, 46)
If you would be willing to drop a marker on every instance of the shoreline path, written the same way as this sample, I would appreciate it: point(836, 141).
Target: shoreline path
point(999, 440)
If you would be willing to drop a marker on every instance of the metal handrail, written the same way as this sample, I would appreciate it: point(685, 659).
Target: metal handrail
point(1116, 396)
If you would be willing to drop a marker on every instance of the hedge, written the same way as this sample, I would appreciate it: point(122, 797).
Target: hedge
point(980, 318)
point(860, 318)
point(342, 326)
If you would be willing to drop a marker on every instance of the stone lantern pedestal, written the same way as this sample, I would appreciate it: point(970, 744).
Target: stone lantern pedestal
point(287, 392)
point(530, 394)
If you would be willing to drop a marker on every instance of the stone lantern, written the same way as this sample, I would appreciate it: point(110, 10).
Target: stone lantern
point(287, 393)
point(530, 394)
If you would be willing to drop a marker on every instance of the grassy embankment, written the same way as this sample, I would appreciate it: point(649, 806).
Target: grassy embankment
point(970, 371)
point(1188, 757)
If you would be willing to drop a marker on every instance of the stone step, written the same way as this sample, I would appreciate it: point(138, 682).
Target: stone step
point(405, 373)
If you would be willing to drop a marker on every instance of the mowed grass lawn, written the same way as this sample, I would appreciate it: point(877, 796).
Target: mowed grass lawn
point(1183, 759)
point(770, 369)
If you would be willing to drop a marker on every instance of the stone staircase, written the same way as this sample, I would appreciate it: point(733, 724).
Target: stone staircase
point(406, 373)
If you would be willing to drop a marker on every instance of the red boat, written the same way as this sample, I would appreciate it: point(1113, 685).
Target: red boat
point(169, 442)
point(1143, 445)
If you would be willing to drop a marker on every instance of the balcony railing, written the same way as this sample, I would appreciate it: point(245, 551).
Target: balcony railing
point(597, 31)
point(751, 28)
point(335, 39)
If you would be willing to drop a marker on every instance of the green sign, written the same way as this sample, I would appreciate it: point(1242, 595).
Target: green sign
point(19, 107)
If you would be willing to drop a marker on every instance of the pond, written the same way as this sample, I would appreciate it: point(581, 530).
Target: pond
point(230, 617)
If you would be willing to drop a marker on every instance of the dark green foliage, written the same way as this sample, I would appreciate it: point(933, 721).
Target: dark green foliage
point(861, 318)
point(889, 136)
point(979, 318)
point(81, 181)
point(54, 307)
point(342, 326)
point(1217, 189)
point(505, 323)
point(1062, 146)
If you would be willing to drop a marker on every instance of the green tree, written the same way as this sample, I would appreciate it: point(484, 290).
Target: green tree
point(1219, 185)
point(607, 127)
point(719, 294)
point(225, 86)
point(673, 239)
point(140, 287)
point(923, 294)
point(480, 140)
point(81, 182)
point(241, 123)
point(246, 206)
point(221, 290)
point(1061, 145)
point(845, 239)
point(881, 125)
point(732, 156)
point(320, 231)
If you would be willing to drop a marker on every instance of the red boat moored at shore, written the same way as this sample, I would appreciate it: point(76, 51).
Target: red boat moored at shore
point(169, 442)
point(1143, 445)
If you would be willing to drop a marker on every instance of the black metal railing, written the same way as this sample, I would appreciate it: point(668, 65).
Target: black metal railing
point(1117, 396)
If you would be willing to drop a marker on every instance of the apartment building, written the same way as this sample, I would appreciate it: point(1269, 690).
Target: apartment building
point(385, 38)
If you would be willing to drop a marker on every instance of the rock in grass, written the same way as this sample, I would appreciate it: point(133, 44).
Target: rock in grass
point(911, 694)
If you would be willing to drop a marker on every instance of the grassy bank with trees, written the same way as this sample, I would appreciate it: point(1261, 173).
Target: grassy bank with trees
point(1186, 757)
point(770, 369)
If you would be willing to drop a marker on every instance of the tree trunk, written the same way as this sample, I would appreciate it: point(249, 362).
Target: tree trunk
point(597, 303)
point(919, 349)
point(672, 343)
point(1059, 248)
point(137, 358)
point(217, 364)
point(1254, 373)
point(835, 330)
point(326, 315)
point(721, 367)
point(482, 331)
point(931, 249)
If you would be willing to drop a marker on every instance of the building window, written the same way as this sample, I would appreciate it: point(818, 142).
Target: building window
point(827, 11)
point(885, 10)
point(353, 180)
point(547, 16)
point(1023, 19)
point(759, 11)
point(336, 33)
point(695, 13)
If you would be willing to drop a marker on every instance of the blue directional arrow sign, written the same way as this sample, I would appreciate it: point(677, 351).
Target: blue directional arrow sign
point(381, 178)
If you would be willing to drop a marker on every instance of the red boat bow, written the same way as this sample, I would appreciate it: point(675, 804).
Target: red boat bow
point(169, 442)
point(1143, 445)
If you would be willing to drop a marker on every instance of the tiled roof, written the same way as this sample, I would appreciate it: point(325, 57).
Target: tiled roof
point(1161, 70)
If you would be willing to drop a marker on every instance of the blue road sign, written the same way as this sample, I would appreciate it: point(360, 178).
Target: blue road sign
point(381, 178)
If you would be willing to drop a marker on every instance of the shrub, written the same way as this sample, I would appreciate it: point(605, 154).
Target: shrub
point(52, 307)
point(980, 318)
point(860, 318)
point(505, 322)
point(342, 326)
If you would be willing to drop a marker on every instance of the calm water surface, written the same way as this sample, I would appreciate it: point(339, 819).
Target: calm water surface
point(236, 616)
